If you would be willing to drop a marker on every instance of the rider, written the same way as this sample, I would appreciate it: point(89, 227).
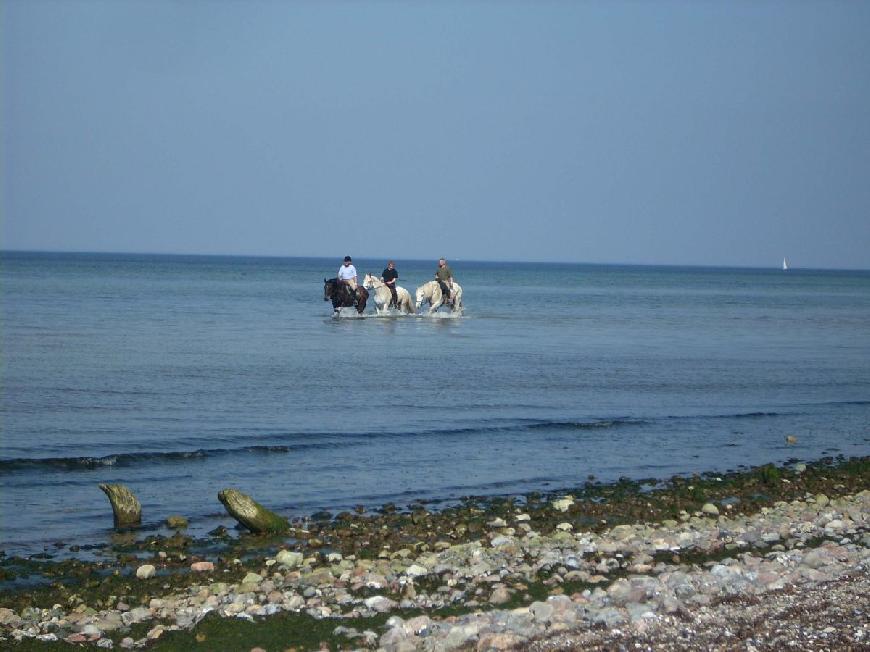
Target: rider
point(389, 276)
point(445, 278)
point(347, 275)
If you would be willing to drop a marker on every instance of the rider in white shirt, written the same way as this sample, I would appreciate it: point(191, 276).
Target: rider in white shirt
point(347, 273)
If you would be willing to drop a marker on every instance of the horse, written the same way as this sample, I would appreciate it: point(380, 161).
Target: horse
point(343, 297)
point(383, 296)
point(431, 292)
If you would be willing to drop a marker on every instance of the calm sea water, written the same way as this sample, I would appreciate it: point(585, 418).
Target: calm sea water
point(180, 376)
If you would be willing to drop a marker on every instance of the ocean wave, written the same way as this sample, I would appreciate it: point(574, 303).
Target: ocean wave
point(586, 425)
point(132, 459)
point(290, 442)
point(736, 415)
point(300, 442)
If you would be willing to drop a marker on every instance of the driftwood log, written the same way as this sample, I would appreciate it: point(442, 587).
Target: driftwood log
point(250, 513)
point(125, 507)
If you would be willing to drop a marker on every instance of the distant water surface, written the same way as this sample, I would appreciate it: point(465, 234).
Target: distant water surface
point(180, 376)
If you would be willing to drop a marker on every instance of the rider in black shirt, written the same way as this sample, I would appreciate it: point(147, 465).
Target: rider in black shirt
point(389, 276)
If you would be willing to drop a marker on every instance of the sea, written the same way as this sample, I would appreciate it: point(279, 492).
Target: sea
point(179, 376)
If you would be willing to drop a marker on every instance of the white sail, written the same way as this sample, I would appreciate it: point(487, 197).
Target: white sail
point(784, 264)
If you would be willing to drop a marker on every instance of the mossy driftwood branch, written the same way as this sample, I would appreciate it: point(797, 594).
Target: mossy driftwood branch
point(125, 507)
point(250, 513)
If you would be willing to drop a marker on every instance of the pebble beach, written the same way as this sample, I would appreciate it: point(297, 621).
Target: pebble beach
point(731, 569)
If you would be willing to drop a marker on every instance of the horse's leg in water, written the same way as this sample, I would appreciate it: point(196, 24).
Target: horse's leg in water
point(361, 297)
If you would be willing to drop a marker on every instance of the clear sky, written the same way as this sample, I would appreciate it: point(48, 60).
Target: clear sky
point(722, 133)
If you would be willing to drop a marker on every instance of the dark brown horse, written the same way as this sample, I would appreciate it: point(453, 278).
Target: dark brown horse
point(343, 297)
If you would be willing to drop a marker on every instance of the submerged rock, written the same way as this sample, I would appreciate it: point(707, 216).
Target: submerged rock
point(125, 507)
point(250, 513)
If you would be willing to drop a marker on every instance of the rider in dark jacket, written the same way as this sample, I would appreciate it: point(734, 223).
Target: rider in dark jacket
point(389, 276)
point(444, 276)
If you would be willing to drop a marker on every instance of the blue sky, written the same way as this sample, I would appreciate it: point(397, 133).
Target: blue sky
point(722, 133)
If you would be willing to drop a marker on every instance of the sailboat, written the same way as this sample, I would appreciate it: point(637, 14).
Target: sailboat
point(784, 265)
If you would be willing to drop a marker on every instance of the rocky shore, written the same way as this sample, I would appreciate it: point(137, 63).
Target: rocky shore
point(534, 575)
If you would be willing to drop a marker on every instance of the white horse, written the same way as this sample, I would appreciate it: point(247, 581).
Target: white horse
point(383, 296)
point(432, 293)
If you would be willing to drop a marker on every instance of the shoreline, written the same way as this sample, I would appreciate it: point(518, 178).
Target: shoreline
point(492, 573)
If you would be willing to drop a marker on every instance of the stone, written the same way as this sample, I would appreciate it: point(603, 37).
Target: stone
point(9, 618)
point(639, 611)
point(155, 633)
point(416, 570)
point(379, 603)
point(202, 566)
point(396, 639)
point(608, 616)
point(500, 595)
point(711, 509)
point(289, 558)
point(145, 571)
point(417, 625)
point(619, 592)
point(176, 522)
point(458, 636)
point(622, 532)
point(563, 504)
point(542, 611)
point(499, 641)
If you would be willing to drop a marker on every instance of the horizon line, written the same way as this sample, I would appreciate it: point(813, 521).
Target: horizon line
point(454, 258)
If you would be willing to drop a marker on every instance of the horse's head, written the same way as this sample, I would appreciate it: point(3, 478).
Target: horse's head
point(420, 295)
point(328, 289)
point(368, 281)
